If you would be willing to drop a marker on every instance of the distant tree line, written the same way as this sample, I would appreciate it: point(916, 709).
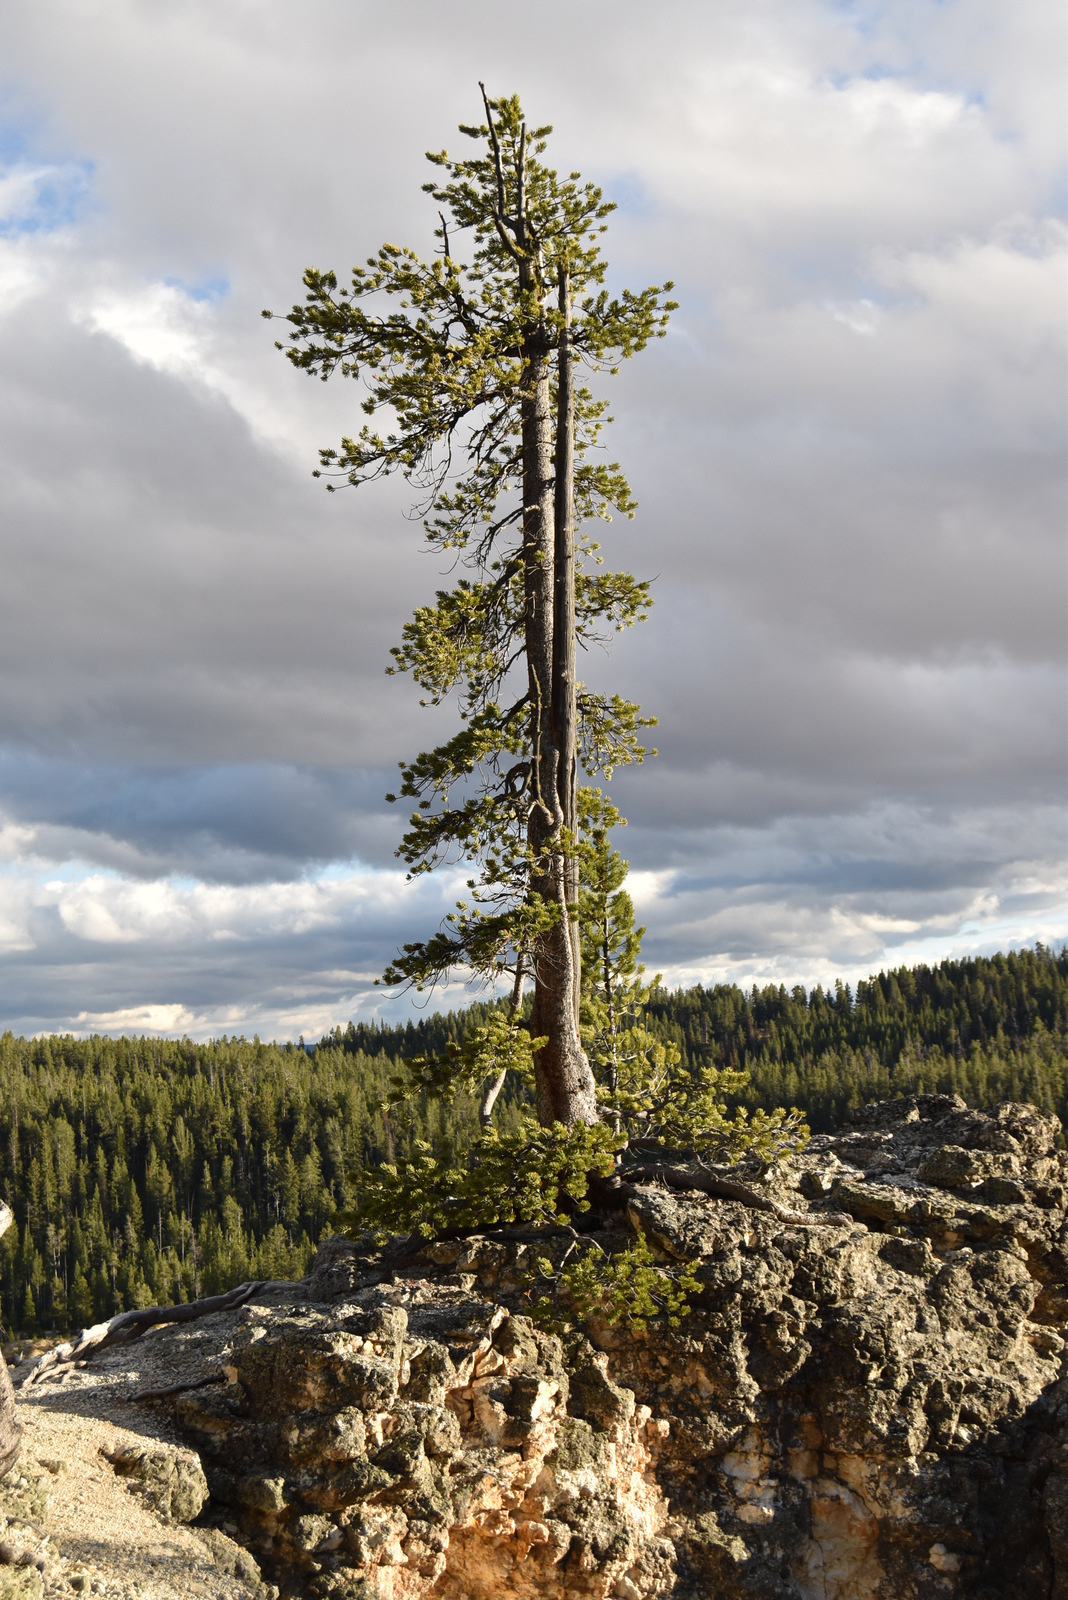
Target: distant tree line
point(987, 1028)
point(148, 1170)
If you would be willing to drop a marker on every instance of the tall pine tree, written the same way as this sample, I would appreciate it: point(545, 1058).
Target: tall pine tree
point(477, 364)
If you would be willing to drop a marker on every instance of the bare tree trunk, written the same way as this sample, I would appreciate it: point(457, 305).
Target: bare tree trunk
point(564, 706)
point(10, 1427)
point(564, 1084)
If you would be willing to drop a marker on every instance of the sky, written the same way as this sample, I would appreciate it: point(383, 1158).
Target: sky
point(848, 456)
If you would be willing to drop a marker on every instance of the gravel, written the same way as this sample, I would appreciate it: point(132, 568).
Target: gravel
point(64, 1502)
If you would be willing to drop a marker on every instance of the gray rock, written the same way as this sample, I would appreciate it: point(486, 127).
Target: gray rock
point(869, 1410)
point(20, 1583)
point(233, 1561)
point(168, 1477)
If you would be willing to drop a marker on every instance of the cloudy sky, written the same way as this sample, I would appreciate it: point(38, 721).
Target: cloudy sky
point(848, 456)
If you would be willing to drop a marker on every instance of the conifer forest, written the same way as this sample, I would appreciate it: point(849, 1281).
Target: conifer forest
point(146, 1170)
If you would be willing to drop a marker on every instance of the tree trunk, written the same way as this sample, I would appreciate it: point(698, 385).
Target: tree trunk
point(564, 706)
point(10, 1427)
point(564, 1085)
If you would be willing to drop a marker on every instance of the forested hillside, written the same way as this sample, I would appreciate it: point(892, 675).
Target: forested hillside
point(145, 1170)
point(989, 1028)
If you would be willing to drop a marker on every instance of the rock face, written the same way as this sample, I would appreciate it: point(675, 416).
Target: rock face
point(873, 1409)
point(442, 1446)
point(25, 1555)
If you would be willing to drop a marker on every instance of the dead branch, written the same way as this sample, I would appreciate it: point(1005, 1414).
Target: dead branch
point(494, 1087)
point(130, 1325)
point(489, 1098)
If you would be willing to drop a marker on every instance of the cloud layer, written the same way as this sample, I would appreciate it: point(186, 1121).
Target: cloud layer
point(849, 456)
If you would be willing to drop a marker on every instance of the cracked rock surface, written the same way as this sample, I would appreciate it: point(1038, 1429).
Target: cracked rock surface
point(871, 1409)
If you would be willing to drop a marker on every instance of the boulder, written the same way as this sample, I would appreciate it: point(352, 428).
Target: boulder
point(168, 1477)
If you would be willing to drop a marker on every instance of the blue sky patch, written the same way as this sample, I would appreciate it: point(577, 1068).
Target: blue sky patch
point(75, 872)
point(630, 195)
point(42, 198)
point(207, 289)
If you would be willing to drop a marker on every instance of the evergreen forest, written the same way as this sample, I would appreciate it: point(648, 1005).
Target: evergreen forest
point(146, 1171)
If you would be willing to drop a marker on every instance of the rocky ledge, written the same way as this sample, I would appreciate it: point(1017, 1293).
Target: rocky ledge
point(867, 1403)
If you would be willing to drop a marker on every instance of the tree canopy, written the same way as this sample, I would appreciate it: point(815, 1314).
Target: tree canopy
point(478, 366)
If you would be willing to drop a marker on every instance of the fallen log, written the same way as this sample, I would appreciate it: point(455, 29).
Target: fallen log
point(130, 1325)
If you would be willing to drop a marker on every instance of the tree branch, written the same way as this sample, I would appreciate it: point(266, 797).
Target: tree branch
point(496, 150)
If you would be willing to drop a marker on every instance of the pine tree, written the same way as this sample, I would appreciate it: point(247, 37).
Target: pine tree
point(478, 363)
point(80, 1300)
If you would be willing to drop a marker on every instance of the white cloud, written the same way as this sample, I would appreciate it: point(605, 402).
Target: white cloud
point(847, 454)
point(166, 1019)
point(862, 315)
point(106, 909)
point(160, 324)
point(179, 332)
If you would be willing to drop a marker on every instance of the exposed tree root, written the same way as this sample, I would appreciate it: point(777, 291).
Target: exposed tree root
point(723, 1188)
point(10, 1557)
point(609, 1197)
point(176, 1388)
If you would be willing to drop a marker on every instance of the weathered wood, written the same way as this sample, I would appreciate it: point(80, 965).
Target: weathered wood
point(130, 1325)
point(722, 1188)
point(176, 1388)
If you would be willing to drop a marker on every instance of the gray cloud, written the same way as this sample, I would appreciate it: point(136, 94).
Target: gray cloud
point(848, 453)
point(294, 965)
point(248, 823)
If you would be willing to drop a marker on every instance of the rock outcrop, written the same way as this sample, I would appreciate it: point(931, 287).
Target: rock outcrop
point(875, 1408)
